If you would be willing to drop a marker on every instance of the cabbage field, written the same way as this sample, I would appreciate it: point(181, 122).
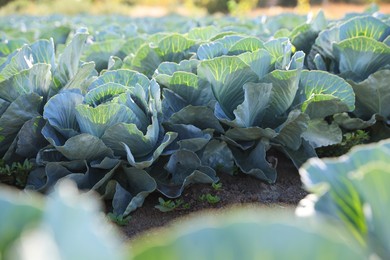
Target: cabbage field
point(126, 107)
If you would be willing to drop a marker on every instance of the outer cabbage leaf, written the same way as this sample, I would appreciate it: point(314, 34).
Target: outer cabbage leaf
point(257, 97)
point(280, 50)
point(210, 50)
point(301, 155)
point(189, 137)
point(199, 116)
point(171, 103)
point(3, 106)
point(58, 33)
point(53, 232)
point(227, 75)
point(188, 86)
point(183, 168)
point(130, 47)
point(41, 51)
point(60, 112)
point(24, 108)
point(133, 186)
point(238, 134)
point(373, 95)
point(284, 89)
point(114, 63)
point(96, 120)
point(203, 33)
point(124, 77)
point(43, 179)
point(304, 36)
point(104, 93)
point(352, 189)
point(147, 161)
point(322, 94)
point(259, 61)
point(36, 79)
point(247, 44)
point(359, 57)
point(218, 156)
point(168, 68)
point(353, 123)
point(229, 40)
point(18, 212)
point(101, 51)
point(122, 134)
point(11, 45)
point(82, 78)
point(16, 62)
point(290, 132)
point(285, 20)
point(80, 147)
point(95, 175)
point(69, 61)
point(170, 48)
point(367, 26)
point(321, 133)
point(254, 162)
point(245, 234)
point(29, 139)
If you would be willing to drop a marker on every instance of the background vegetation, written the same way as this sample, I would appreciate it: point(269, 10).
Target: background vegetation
point(121, 6)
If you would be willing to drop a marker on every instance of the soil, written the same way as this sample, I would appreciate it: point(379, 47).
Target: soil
point(241, 189)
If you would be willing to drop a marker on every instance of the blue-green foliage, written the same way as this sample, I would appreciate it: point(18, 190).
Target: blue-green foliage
point(351, 190)
point(358, 50)
point(345, 216)
point(131, 106)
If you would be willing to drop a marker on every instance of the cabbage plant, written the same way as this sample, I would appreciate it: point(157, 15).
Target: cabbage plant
point(352, 191)
point(358, 50)
point(28, 78)
point(188, 110)
point(254, 92)
point(45, 228)
point(171, 47)
point(118, 120)
point(355, 48)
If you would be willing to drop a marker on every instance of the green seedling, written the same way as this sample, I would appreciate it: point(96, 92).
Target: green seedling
point(119, 219)
point(350, 140)
point(15, 174)
point(217, 186)
point(170, 205)
point(211, 199)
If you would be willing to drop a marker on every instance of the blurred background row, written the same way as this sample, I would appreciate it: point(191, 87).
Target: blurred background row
point(184, 7)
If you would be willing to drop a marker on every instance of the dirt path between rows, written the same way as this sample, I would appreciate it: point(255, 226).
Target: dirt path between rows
point(240, 190)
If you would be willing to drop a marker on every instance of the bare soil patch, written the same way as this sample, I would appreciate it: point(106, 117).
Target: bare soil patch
point(239, 190)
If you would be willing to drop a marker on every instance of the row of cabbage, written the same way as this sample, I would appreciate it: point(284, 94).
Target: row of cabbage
point(124, 112)
point(344, 217)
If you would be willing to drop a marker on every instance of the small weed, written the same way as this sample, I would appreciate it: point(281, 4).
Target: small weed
point(119, 219)
point(15, 174)
point(350, 140)
point(169, 205)
point(216, 186)
point(211, 199)
point(236, 171)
